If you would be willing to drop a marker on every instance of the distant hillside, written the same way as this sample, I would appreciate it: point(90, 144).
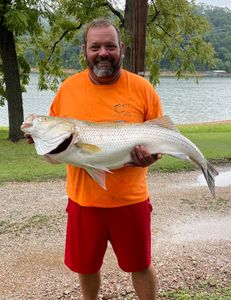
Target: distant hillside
point(220, 34)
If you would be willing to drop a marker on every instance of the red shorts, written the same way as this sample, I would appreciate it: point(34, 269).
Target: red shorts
point(128, 228)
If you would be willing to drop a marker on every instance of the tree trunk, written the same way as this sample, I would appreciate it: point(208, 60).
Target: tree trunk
point(135, 35)
point(12, 81)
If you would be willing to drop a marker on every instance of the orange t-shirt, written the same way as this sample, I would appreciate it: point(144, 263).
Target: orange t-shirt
point(132, 99)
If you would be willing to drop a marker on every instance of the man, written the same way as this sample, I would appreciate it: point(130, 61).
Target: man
point(121, 214)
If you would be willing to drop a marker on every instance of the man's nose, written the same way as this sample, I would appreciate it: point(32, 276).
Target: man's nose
point(103, 51)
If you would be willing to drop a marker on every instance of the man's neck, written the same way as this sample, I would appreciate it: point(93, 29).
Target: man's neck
point(104, 80)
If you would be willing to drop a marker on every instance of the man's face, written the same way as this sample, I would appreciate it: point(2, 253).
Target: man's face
point(103, 51)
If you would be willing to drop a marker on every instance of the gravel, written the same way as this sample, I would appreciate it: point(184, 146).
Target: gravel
point(191, 239)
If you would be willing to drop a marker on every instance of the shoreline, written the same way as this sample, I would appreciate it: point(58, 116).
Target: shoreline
point(219, 122)
point(213, 73)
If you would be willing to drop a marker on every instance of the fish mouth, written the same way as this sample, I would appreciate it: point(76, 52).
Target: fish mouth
point(26, 125)
point(28, 122)
point(63, 146)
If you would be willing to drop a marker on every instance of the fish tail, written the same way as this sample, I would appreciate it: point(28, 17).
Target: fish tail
point(210, 172)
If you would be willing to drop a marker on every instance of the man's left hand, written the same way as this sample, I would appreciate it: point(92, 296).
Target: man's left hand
point(141, 157)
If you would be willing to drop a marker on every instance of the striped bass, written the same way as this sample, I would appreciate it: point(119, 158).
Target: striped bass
point(100, 147)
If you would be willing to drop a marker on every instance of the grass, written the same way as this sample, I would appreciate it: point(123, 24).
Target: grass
point(19, 162)
point(37, 221)
point(203, 291)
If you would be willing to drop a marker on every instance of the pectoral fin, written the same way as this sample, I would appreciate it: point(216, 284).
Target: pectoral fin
point(90, 148)
point(98, 175)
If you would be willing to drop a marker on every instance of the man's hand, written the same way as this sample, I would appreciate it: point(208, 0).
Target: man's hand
point(28, 139)
point(141, 157)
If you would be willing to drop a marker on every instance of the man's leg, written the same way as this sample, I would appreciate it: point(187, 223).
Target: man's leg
point(90, 285)
point(145, 283)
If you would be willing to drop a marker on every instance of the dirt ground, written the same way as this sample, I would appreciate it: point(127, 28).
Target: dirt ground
point(191, 239)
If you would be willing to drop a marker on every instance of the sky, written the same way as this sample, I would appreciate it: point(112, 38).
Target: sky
point(220, 3)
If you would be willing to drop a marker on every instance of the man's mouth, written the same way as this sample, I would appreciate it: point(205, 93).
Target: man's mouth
point(105, 63)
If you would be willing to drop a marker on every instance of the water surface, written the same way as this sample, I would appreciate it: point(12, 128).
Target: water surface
point(184, 100)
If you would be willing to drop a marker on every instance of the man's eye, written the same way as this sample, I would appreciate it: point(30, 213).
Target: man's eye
point(111, 47)
point(94, 47)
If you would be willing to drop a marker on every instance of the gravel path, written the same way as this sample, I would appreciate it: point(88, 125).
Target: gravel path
point(191, 239)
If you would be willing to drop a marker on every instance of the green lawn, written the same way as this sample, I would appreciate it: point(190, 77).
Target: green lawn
point(19, 162)
point(210, 290)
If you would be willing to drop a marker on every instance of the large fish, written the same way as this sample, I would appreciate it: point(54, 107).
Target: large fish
point(99, 147)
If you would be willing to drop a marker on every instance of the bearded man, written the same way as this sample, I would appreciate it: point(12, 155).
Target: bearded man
point(121, 214)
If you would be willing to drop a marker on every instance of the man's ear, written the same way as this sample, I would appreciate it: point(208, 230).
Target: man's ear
point(84, 50)
point(122, 48)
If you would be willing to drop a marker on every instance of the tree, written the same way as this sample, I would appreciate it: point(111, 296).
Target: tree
point(175, 32)
point(10, 69)
point(135, 24)
point(17, 18)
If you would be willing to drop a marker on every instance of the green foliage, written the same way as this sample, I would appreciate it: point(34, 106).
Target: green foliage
point(175, 34)
point(220, 34)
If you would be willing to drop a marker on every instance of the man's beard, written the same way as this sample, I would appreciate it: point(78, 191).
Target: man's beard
point(104, 72)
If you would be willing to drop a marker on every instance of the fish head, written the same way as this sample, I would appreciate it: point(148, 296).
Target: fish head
point(47, 132)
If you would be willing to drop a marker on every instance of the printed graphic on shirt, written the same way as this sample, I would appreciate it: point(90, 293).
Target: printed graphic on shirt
point(122, 109)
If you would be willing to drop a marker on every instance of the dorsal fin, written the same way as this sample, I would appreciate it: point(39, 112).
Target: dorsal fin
point(165, 122)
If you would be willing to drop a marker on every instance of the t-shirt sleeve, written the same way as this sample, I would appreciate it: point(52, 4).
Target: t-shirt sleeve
point(153, 103)
point(54, 108)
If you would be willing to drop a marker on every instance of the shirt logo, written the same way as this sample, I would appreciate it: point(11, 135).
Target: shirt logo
point(122, 109)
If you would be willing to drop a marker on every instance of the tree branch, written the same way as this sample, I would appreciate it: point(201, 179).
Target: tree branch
point(115, 12)
point(158, 25)
point(155, 15)
point(60, 39)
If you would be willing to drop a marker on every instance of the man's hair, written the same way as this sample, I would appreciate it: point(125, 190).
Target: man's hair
point(99, 23)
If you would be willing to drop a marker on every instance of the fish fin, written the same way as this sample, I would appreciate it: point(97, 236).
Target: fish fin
point(98, 175)
point(165, 122)
point(98, 167)
point(209, 173)
point(178, 155)
point(90, 148)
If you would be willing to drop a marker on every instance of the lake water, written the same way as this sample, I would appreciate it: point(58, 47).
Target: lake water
point(184, 100)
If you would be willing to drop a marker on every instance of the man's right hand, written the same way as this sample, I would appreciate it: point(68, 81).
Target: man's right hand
point(29, 139)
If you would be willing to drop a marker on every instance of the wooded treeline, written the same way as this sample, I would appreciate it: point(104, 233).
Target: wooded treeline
point(219, 36)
